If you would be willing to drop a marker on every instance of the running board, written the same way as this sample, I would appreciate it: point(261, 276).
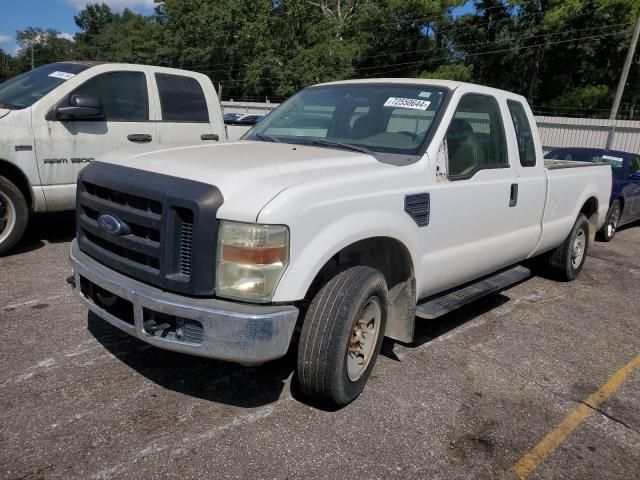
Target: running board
point(444, 303)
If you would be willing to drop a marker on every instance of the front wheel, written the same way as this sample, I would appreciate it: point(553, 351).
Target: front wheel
point(611, 225)
point(14, 215)
point(341, 336)
point(566, 261)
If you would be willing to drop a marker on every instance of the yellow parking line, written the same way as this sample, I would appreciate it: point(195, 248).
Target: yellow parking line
point(535, 456)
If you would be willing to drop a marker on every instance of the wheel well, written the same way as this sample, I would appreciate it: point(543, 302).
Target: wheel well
point(590, 207)
point(18, 178)
point(392, 258)
point(590, 210)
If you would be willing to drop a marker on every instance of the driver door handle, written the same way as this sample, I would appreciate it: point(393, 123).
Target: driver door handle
point(139, 138)
point(513, 199)
point(210, 136)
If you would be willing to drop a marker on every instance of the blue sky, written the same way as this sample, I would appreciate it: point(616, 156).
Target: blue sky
point(56, 14)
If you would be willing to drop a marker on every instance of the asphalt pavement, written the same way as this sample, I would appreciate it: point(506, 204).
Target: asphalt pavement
point(479, 390)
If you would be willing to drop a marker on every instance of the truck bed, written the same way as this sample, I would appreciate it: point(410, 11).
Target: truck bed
point(558, 164)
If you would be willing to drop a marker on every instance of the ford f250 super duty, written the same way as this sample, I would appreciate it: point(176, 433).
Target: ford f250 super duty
point(351, 210)
point(56, 119)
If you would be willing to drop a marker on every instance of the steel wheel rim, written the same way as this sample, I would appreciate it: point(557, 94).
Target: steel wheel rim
point(614, 218)
point(363, 338)
point(7, 218)
point(577, 251)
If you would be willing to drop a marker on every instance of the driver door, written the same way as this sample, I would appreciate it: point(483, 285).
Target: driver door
point(64, 147)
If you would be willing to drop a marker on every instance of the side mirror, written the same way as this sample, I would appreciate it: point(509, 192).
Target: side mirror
point(81, 107)
point(635, 176)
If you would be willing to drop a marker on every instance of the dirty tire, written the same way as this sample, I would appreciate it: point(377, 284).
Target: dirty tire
point(14, 215)
point(560, 261)
point(327, 330)
point(610, 227)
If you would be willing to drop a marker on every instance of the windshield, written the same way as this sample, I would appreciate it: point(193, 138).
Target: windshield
point(26, 89)
point(616, 162)
point(386, 118)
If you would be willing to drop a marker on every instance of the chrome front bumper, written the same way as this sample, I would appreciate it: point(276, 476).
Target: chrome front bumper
point(236, 332)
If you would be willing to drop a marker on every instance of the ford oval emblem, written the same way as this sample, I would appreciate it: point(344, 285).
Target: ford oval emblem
point(110, 224)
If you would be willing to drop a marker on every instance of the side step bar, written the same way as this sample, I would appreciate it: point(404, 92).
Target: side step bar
point(441, 304)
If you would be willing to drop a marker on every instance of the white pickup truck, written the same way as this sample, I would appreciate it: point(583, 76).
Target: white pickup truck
point(350, 210)
point(56, 119)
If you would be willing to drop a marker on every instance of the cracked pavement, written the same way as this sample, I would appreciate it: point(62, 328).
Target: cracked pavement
point(477, 390)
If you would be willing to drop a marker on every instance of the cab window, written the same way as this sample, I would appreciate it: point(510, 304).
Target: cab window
point(475, 138)
point(181, 99)
point(124, 95)
point(526, 147)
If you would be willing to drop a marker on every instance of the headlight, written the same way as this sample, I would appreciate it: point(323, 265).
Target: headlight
point(251, 260)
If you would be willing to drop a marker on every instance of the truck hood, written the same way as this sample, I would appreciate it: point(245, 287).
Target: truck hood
point(249, 174)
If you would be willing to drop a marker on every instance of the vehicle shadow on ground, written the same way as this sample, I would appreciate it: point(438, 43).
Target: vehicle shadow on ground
point(56, 227)
point(251, 387)
point(429, 330)
point(629, 225)
point(212, 380)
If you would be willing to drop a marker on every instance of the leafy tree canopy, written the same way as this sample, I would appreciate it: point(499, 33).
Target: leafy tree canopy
point(565, 56)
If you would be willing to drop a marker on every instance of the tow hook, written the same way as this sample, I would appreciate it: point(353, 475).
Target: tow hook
point(152, 327)
point(71, 280)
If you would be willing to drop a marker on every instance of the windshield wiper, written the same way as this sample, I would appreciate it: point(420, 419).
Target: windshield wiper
point(6, 105)
point(267, 138)
point(323, 142)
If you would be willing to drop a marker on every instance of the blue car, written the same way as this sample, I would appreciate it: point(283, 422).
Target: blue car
point(624, 206)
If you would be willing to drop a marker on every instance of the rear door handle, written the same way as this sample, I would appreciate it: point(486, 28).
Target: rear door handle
point(210, 136)
point(513, 200)
point(139, 138)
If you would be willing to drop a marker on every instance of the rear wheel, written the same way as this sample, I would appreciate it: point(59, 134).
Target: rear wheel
point(341, 336)
point(566, 261)
point(610, 227)
point(14, 215)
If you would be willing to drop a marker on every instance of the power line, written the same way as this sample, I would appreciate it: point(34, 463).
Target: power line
point(505, 50)
point(448, 57)
point(293, 55)
point(375, 29)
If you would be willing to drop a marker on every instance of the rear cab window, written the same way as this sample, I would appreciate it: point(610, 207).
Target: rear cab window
point(524, 135)
point(181, 99)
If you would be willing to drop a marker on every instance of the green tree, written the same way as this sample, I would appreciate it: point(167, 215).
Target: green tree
point(8, 66)
point(39, 47)
point(453, 71)
point(119, 37)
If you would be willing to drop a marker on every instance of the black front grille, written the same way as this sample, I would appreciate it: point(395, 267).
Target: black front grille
point(168, 226)
point(186, 243)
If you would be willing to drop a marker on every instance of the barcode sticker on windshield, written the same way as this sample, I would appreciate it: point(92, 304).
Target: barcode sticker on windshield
point(411, 103)
point(62, 75)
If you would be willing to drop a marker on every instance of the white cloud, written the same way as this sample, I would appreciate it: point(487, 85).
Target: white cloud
point(66, 36)
point(115, 4)
point(6, 38)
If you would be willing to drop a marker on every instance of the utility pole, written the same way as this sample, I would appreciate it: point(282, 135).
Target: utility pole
point(32, 59)
point(625, 70)
point(623, 79)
